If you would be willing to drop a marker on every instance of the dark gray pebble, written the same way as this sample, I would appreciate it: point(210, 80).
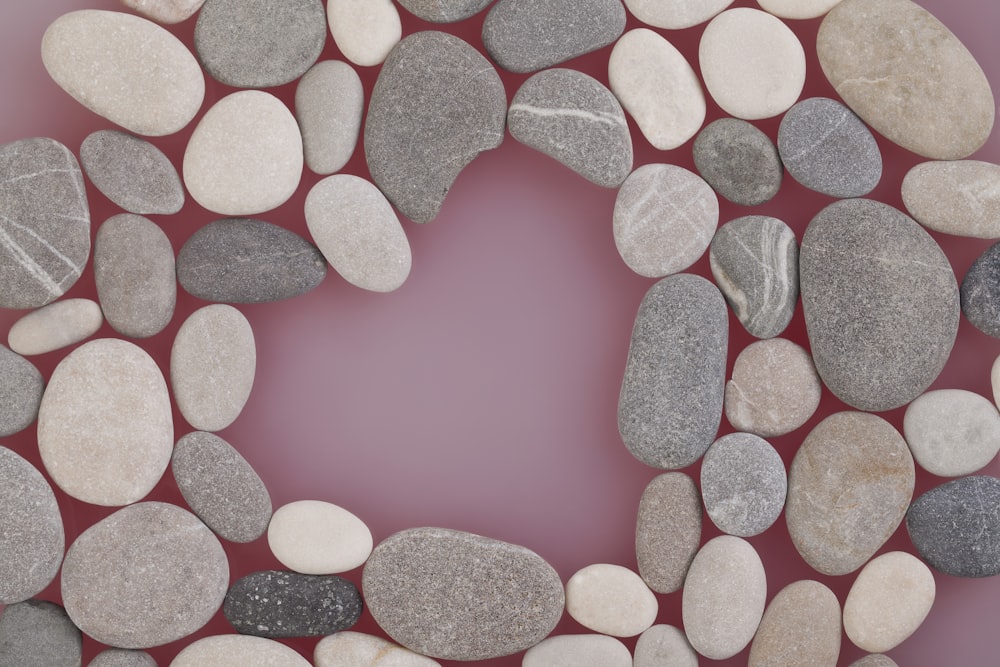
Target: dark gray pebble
point(21, 387)
point(36, 633)
point(132, 173)
point(738, 160)
point(981, 292)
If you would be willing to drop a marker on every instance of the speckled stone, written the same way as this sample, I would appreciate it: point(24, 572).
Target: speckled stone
point(366, 31)
point(874, 661)
point(458, 596)
point(36, 633)
point(356, 649)
point(960, 197)
point(55, 326)
point(801, 626)
point(610, 599)
point(667, 531)
point(120, 657)
point(739, 161)
point(743, 484)
point(578, 651)
point(317, 537)
point(797, 9)
point(444, 11)
point(675, 14)
point(952, 432)
point(980, 292)
point(131, 172)
point(238, 651)
point(664, 646)
point(165, 11)
point(329, 105)
point(21, 386)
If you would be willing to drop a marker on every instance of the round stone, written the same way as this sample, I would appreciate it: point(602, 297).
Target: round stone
point(664, 646)
point(356, 649)
point(610, 599)
point(316, 537)
point(801, 626)
point(329, 105)
point(579, 651)
point(980, 292)
point(238, 651)
point(960, 197)
point(132, 173)
point(743, 484)
point(675, 14)
point(364, 32)
point(952, 432)
point(36, 632)
point(667, 531)
point(55, 326)
point(739, 161)
point(797, 9)
point(120, 657)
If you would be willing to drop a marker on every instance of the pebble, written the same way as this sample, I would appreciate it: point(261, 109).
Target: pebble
point(801, 626)
point(242, 260)
point(31, 530)
point(436, 105)
point(753, 65)
point(723, 597)
point(531, 35)
point(755, 263)
point(276, 604)
point(238, 651)
point(848, 489)
point(743, 484)
point(55, 326)
point(316, 537)
point(135, 275)
point(36, 632)
point(739, 161)
point(952, 432)
point(670, 404)
point(149, 574)
point(365, 31)
point(827, 148)
point(657, 86)
point(457, 596)
point(675, 14)
point(578, 651)
point(980, 292)
point(356, 229)
point(212, 366)
point(610, 599)
point(444, 11)
point(960, 197)
point(797, 9)
point(120, 657)
point(329, 105)
point(221, 487)
point(880, 302)
point(994, 380)
point(275, 43)
point(955, 527)
point(245, 155)
point(888, 601)
point(574, 119)
point(356, 649)
point(133, 173)
point(664, 646)
point(165, 11)
point(874, 661)
point(45, 251)
point(21, 386)
point(668, 531)
point(126, 69)
point(105, 428)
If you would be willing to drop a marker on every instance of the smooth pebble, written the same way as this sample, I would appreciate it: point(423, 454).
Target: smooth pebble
point(21, 386)
point(675, 14)
point(165, 11)
point(356, 649)
point(60, 324)
point(874, 660)
point(131, 172)
point(38, 633)
point(801, 626)
point(667, 531)
point(960, 197)
point(980, 292)
point(317, 537)
point(121, 657)
point(797, 9)
point(739, 161)
point(610, 599)
point(238, 651)
point(952, 432)
point(743, 484)
point(664, 646)
point(364, 30)
point(329, 105)
point(578, 651)
point(444, 11)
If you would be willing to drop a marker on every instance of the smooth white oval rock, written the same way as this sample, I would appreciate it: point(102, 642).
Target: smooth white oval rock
point(364, 30)
point(610, 599)
point(960, 197)
point(578, 651)
point(238, 651)
point(165, 11)
point(329, 104)
point(57, 325)
point(356, 649)
point(316, 537)
point(675, 14)
point(664, 646)
point(952, 432)
point(797, 9)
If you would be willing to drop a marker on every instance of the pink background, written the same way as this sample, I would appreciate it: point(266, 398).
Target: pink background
point(482, 395)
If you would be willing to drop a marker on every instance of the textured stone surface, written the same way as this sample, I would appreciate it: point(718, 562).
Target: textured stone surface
point(579, 651)
point(57, 325)
point(356, 649)
point(874, 660)
point(238, 651)
point(675, 14)
point(120, 657)
point(165, 11)
point(366, 31)
point(329, 105)
point(743, 484)
point(132, 173)
point(980, 293)
point(797, 9)
point(444, 11)
point(664, 646)
point(801, 626)
point(960, 197)
point(610, 599)
point(668, 530)
point(739, 161)
point(21, 386)
point(952, 432)
point(36, 633)
point(317, 537)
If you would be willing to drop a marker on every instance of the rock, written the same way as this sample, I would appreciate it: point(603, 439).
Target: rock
point(131, 172)
point(120, 657)
point(755, 263)
point(880, 303)
point(670, 404)
point(57, 325)
point(357, 231)
point(277, 604)
point(610, 599)
point(165, 11)
point(664, 646)
point(46, 232)
point(575, 120)
point(980, 292)
point(952, 432)
point(105, 428)
point(874, 661)
point(675, 14)
point(242, 260)
point(364, 32)
point(444, 11)
point(531, 35)
point(743, 484)
point(245, 156)
point(135, 275)
point(919, 88)
point(458, 596)
point(657, 86)
point(212, 366)
point(238, 651)
point(126, 69)
point(31, 530)
point(356, 649)
point(960, 197)
point(436, 105)
point(888, 601)
point(848, 489)
point(579, 651)
point(826, 148)
point(956, 529)
point(797, 9)
point(668, 531)
point(994, 380)
point(753, 65)
point(801, 626)
point(316, 537)
point(220, 487)
point(21, 386)
point(36, 633)
point(739, 161)
point(723, 597)
point(149, 574)
point(329, 105)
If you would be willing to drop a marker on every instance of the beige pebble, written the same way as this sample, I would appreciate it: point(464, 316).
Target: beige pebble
point(675, 14)
point(952, 432)
point(238, 651)
point(960, 197)
point(165, 11)
point(610, 599)
point(316, 537)
point(664, 646)
point(578, 651)
point(668, 530)
point(364, 30)
point(356, 649)
point(57, 325)
point(801, 626)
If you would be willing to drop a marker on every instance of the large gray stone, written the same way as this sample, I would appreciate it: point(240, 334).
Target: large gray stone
point(21, 386)
point(738, 160)
point(132, 173)
point(667, 530)
point(36, 633)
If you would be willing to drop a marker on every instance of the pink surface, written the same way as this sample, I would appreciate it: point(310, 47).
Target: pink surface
point(482, 395)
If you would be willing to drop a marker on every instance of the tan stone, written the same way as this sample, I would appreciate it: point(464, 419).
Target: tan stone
point(57, 325)
point(668, 531)
point(960, 197)
point(165, 11)
point(801, 628)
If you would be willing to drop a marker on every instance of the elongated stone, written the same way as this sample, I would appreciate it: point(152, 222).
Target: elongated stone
point(801, 626)
point(960, 197)
point(37, 632)
point(364, 32)
point(21, 386)
point(238, 650)
point(329, 105)
point(664, 646)
point(578, 650)
point(132, 173)
point(667, 531)
point(739, 161)
point(356, 649)
point(57, 325)
point(610, 599)
point(444, 11)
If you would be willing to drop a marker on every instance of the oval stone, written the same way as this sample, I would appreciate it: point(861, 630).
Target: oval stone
point(797, 9)
point(510, 598)
point(960, 197)
point(579, 651)
point(37, 632)
point(238, 651)
point(664, 646)
point(801, 626)
point(980, 292)
point(356, 649)
point(329, 105)
point(667, 531)
point(444, 11)
point(55, 326)
point(364, 32)
point(165, 11)
point(132, 173)
point(874, 660)
point(21, 386)
point(739, 161)
point(952, 432)
point(743, 484)
point(610, 599)
point(120, 657)
point(675, 14)
point(316, 537)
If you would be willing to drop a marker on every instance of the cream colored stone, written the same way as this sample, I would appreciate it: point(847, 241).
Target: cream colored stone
point(578, 651)
point(356, 649)
point(364, 30)
point(797, 9)
point(238, 651)
point(610, 599)
point(675, 14)
point(316, 537)
point(165, 11)
point(664, 646)
point(952, 432)
point(57, 325)
point(960, 197)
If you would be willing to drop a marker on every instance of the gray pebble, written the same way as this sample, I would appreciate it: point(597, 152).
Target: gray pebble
point(444, 11)
point(21, 386)
point(739, 161)
point(981, 292)
point(120, 657)
point(743, 484)
point(36, 633)
point(667, 531)
point(132, 173)
point(329, 104)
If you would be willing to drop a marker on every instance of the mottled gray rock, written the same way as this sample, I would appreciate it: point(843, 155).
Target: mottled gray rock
point(329, 105)
point(980, 292)
point(670, 404)
point(242, 260)
point(574, 119)
point(960, 197)
point(444, 11)
point(436, 105)
point(738, 160)
point(60, 324)
point(952, 432)
point(743, 484)
point(121, 657)
point(21, 386)
point(165, 11)
point(233, 650)
point(579, 651)
point(132, 173)
point(667, 530)
point(664, 646)
point(610, 599)
point(459, 596)
point(36, 633)
point(364, 32)
point(801, 626)
point(881, 303)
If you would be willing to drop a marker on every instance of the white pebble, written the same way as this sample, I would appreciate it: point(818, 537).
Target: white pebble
point(952, 432)
point(675, 14)
point(664, 646)
point(797, 9)
point(238, 651)
point(578, 651)
point(55, 326)
point(316, 537)
point(356, 649)
point(364, 30)
point(610, 599)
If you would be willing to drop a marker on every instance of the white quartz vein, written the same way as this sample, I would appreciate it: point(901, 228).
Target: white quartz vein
point(29, 264)
point(603, 117)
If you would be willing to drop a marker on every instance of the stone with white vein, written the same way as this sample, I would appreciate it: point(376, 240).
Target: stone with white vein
point(675, 14)
point(57, 325)
point(960, 197)
point(317, 537)
point(329, 105)
point(610, 599)
point(364, 30)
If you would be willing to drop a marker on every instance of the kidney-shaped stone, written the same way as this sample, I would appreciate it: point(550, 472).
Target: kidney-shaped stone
point(801, 626)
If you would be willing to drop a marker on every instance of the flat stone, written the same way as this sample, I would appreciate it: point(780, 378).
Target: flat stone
point(259, 43)
point(120, 657)
point(126, 69)
point(165, 11)
point(952, 432)
point(55, 326)
point(960, 197)
point(36, 632)
point(242, 260)
point(657, 86)
point(364, 32)
point(238, 651)
point(670, 404)
point(664, 646)
point(743, 484)
point(610, 599)
point(579, 651)
point(848, 489)
point(149, 574)
point(220, 487)
point(880, 302)
point(444, 11)
point(753, 65)
point(356, 649)
point(755, 263)
point(212, 366)
point(245, 156)
point(797, 9)
point(530, 35)
point(956, 529)
point(21, 386)
point(801, 626)
point(919, 88)
point(43, 204)
point(675, 14)
point(458, 596)
point(668, 531)
point(827, 148)
point(874, 660)
point(436, 105)
point(329, 105)
point(980, 292)
point(105, 425)
point(135, 274)
point(131, 172)
point(739, 161)
point(723, 597)
point(31, 530)
point(275, 604)
point(317, 537)
point(574, 119)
